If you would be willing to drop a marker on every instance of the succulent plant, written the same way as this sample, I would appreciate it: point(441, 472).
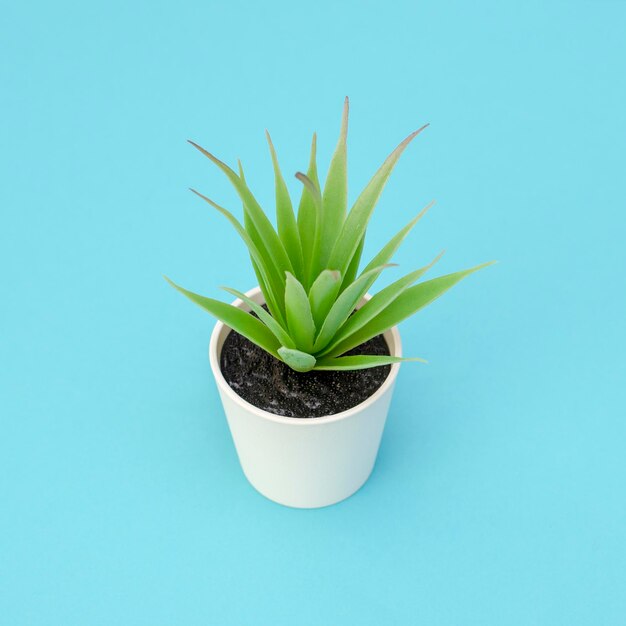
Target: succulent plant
point(308, 267)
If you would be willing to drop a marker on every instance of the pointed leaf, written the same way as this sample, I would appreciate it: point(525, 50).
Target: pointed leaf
point(297, 360)
point(269, 299)
point(240, 321)
point(360, 362)
point(353, 268)
point(335, 196)
point(266, 231)
point(356, 223)
point(375, 305)
point(285, 217)
point(343, 307)
point(277, 330)
point(266, 271)
point(314, 266)
point(308, 215)
point(323, 293)
point(274, 301)
point(299, 317)
point(408, 303)
point(385, 255)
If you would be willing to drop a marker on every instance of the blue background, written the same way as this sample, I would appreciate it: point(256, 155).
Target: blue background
point(499, 494)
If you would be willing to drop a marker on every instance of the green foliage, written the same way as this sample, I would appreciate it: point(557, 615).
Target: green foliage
point(307, 267)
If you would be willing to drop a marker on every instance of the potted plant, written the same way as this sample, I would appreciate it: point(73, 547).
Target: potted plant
point(306, 362)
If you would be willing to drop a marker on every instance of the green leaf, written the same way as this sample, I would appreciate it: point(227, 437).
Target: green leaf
point(238, 320)
point(375, 305)
point(408, 303)
point(360, 362)
point(385, 255)
point(308, 215)
point(314, 267)
point(323, 293)
point(262, 265)
point(275, 310)
point(335, 196)
point(299, 317)
point(353, 268)
point(273, 299)
point(274, 290)
point(285, 217)
point(297, 360)
point(277, 330)
point(343, 307)
point(266, 232)
point(356, 223)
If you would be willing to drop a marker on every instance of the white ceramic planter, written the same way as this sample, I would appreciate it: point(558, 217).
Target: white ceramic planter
point(311, 462)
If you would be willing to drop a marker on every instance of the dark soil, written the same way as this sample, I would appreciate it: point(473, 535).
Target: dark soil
point(273, 386)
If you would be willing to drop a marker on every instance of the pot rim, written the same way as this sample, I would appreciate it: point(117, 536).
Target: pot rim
point(294, 421)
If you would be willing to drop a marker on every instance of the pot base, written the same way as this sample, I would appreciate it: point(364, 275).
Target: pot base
point(308, 504)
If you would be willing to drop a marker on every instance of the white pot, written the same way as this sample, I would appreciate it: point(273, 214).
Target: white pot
point(305, 462)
